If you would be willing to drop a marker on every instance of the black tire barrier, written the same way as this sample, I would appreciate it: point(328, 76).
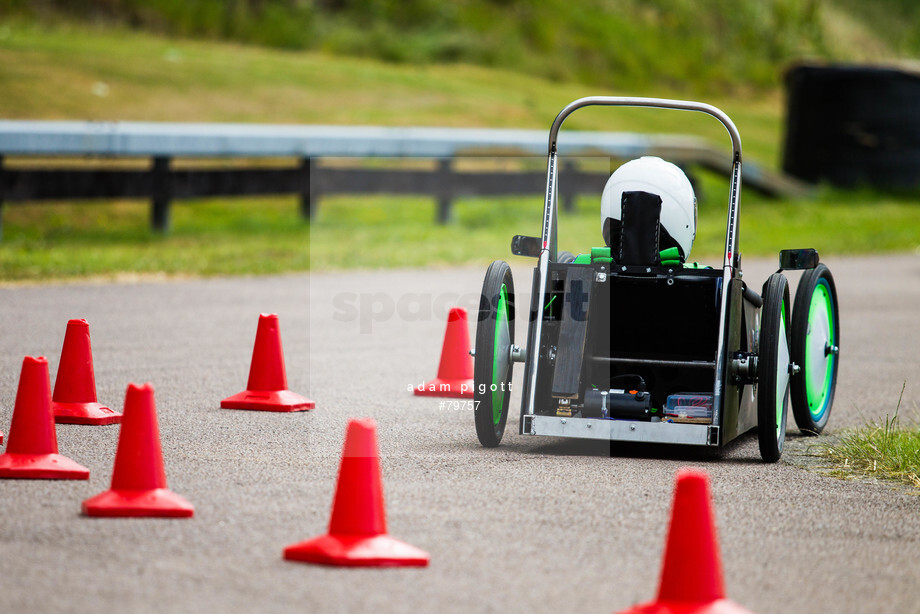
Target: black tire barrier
point(853, 126)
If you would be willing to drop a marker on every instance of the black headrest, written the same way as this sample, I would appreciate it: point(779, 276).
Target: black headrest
point(634, 238)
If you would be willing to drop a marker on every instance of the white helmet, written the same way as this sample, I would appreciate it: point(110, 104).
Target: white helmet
point(655, 176)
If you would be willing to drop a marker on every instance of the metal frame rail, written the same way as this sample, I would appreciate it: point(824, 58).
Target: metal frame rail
point(29, 170)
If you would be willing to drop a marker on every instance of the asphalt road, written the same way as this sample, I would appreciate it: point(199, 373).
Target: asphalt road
point(537, 525)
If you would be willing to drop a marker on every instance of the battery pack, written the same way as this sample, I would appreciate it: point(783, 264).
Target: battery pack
point(621, 404)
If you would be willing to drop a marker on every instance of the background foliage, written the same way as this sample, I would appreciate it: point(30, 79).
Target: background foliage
point(497, 63)
point(696, 45)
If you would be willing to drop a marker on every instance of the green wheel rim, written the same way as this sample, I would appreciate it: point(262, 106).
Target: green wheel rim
point(500, 355)
point(819, 361)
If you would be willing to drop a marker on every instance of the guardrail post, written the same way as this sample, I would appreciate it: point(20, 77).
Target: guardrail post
point(444, 192)
point(161, 193)
point(1, 197)
point(309, 195)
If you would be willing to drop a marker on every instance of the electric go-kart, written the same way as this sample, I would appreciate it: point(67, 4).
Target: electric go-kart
point(632, 343)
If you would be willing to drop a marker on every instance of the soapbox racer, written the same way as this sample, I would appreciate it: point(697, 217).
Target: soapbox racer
point(632, 343)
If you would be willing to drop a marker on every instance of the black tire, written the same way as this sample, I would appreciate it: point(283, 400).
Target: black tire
point(492, 366)
point(565, 257)
point(773, 369)
point(815, 347)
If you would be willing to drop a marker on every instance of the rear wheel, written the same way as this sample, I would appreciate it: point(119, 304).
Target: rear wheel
point(815, 347)
point(773, 369)
point(492, 367)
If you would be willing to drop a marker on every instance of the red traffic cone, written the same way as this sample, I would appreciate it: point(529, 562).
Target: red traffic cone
point(267, 387)
point(691, 575)
point(139, 478)
point(32, 450)
point(455, 372)
point(357, 534)
point(74, 399)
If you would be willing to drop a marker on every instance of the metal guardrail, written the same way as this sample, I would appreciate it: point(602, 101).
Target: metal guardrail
point(163, 142)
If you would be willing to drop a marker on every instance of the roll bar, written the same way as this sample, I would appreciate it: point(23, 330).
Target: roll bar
point(657, 103)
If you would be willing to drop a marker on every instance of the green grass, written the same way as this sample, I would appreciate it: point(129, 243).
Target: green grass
point(267, 235)
point(898, 19)
point(50, 73)
point(700, 46)
point(889, 451)
point(209, 237)
point(835, 223)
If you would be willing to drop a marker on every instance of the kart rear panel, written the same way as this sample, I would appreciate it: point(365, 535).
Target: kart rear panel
point(601, 322)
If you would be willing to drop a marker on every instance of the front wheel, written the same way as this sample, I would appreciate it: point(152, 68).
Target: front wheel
point(492, 367)
point(773, 369)
point(815, 347)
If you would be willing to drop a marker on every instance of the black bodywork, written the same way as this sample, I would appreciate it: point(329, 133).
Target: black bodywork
point(607, 323)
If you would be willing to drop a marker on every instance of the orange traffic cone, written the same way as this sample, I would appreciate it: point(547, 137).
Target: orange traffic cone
point(357, 534)
point(691, 575)
point(74, 399)
point(139, 479)
point(455, 372)
point(267, 388)
point(32, 450)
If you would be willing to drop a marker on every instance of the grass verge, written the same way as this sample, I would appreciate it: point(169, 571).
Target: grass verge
point(889, 450)
point(267, 235)
point(208, 237)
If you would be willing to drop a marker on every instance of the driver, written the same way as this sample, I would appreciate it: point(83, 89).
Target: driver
point(650, 175)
